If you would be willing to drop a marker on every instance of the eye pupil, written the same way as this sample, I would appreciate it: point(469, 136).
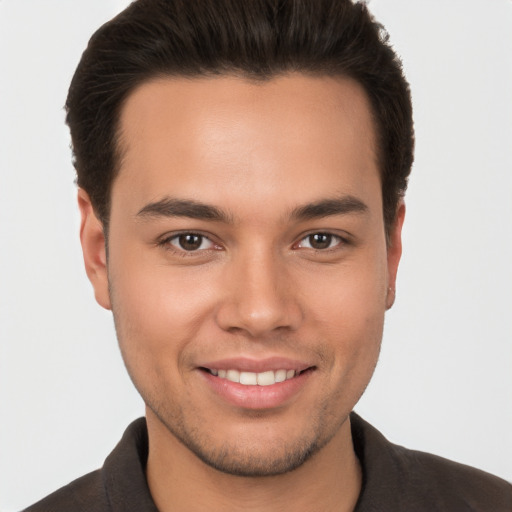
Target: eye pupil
point(190, 242)
point(320, 240)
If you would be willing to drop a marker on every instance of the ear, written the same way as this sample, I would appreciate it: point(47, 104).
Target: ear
point(394, 253)
point(92, 239)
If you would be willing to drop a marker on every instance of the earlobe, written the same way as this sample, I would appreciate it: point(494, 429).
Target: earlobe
point(92, 238)
point(394, 253)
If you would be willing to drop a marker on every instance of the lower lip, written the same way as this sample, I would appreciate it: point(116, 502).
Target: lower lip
point(257, 397)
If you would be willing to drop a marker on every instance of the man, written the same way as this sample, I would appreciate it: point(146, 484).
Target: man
point(241, 169)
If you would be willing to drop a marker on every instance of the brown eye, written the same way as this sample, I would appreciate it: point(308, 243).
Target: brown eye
point(190, 242)
point(320, 240)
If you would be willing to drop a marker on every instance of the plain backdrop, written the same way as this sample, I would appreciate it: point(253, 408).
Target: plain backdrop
point(444, 381)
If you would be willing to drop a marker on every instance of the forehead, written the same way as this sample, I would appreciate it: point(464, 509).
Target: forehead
point(202, 137)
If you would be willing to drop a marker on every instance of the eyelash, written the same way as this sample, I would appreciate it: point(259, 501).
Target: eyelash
point(340, 241)
point(167, 245)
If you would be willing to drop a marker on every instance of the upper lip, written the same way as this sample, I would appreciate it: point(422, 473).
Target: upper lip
point(256, 365)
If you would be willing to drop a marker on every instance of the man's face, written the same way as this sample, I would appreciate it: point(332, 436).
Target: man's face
point(246, 241)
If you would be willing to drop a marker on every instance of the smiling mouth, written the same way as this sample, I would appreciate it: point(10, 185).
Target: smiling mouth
point(267, 378)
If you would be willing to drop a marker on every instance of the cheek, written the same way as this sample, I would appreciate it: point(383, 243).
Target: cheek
point(158, 309)
point(349, 296)
point(348, 311)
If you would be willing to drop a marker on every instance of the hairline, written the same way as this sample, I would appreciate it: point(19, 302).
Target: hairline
point(120, 148)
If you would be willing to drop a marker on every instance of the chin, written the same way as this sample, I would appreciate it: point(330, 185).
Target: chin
point(250, 451)
point(252, 461)
point(256, 465)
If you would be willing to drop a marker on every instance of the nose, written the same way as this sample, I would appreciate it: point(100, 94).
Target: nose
point(261, 297)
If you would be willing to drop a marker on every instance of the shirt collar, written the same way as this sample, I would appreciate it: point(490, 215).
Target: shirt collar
point(124, 471)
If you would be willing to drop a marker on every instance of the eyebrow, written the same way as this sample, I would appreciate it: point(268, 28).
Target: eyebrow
point(328, 207)
point(171, 207)
point(192, 209)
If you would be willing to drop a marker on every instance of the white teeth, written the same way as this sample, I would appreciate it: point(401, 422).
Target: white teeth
point(248, 378)
point(252, 379)
point(233, 375)
point(266, 378)
point(280, 375)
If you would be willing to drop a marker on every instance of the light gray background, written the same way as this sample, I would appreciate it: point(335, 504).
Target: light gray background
point(444, 380)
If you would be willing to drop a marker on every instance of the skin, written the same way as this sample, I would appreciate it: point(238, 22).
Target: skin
point(258, 286)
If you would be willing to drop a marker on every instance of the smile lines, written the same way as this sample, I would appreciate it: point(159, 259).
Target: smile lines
point(255, 379)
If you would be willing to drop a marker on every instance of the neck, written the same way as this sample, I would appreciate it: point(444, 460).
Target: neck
point(179, 481)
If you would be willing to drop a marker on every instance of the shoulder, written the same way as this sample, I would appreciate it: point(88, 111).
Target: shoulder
point(449, 484)
point(119, 485)
point(86, 494)
point(396, 478)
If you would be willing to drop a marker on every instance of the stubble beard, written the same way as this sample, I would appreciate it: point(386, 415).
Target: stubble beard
point(249, 461)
